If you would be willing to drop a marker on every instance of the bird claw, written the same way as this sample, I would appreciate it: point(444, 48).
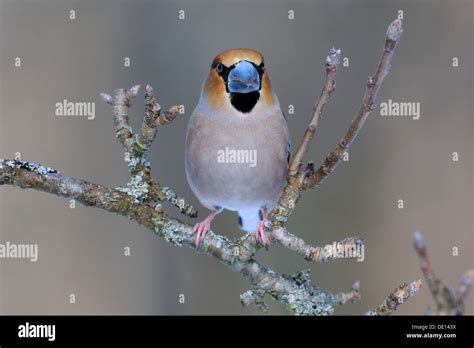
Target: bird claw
point(260, 233)
point(200, 230)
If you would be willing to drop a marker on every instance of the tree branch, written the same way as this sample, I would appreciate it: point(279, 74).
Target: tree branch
point(142, 186)
point(299, 180)
point(294, 291)
point(374, 82)
point(448, 300)
point(397, 297)
point(332, 63)
point(348, 248)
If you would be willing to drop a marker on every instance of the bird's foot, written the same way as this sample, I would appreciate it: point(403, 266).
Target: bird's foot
point(260, 233)
point(201, 228)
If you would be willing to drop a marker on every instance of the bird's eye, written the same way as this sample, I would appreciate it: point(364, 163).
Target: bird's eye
point(262, 66)
point(219, 68)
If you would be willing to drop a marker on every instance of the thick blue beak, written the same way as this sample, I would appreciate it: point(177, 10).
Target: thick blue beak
point(243, 78)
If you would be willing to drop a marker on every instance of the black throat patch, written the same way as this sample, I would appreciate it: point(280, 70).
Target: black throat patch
point(244, 102)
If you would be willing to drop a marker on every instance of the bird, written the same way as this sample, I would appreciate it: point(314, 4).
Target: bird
point(237, 143)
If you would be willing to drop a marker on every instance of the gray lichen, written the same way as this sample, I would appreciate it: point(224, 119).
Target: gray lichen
point(256, 297)
point(136, 188)
point(334, 57)
point(302, 277)
point(178, 202)
point(167, 229)
point(173, 198)
point(32, 167)
point(134, 161)
point(247, 297)
point(305, 300)
point(124, 129)
point(70, 187)
point(394, 30)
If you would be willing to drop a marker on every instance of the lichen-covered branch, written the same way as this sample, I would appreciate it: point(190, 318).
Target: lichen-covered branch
point(154, 118)
point(294, 291)
point(29, 175)
point(397, 297)
point(351, 296)
point(139, 200)
point(465, 284)
point(141, 186)
point(297, 289)
point(448, 300)
point(348, 248)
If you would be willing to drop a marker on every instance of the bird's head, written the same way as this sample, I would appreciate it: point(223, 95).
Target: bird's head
point(239, 76)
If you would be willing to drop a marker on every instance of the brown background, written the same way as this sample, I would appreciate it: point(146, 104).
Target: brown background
point(81, 250)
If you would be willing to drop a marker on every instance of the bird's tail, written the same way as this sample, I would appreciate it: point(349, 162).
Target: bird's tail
point(249, 219)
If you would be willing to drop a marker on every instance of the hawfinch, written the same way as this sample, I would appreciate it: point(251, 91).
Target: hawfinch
point(237, 143)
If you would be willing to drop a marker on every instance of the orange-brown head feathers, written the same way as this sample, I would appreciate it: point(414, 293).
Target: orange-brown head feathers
point(239, 76)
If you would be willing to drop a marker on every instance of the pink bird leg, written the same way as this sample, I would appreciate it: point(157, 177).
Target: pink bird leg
point(201, 228)
point(260, 232)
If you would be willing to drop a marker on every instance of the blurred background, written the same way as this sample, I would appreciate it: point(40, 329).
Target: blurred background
point(81, 250)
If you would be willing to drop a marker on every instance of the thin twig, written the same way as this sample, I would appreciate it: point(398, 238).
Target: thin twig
point(348, 248)
point(332, 64)
point(448, 300)
point(465, 284)
point(179, 202)
point(397, 297)
point(154, 118)
point(351, 296)
point(374, 82)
